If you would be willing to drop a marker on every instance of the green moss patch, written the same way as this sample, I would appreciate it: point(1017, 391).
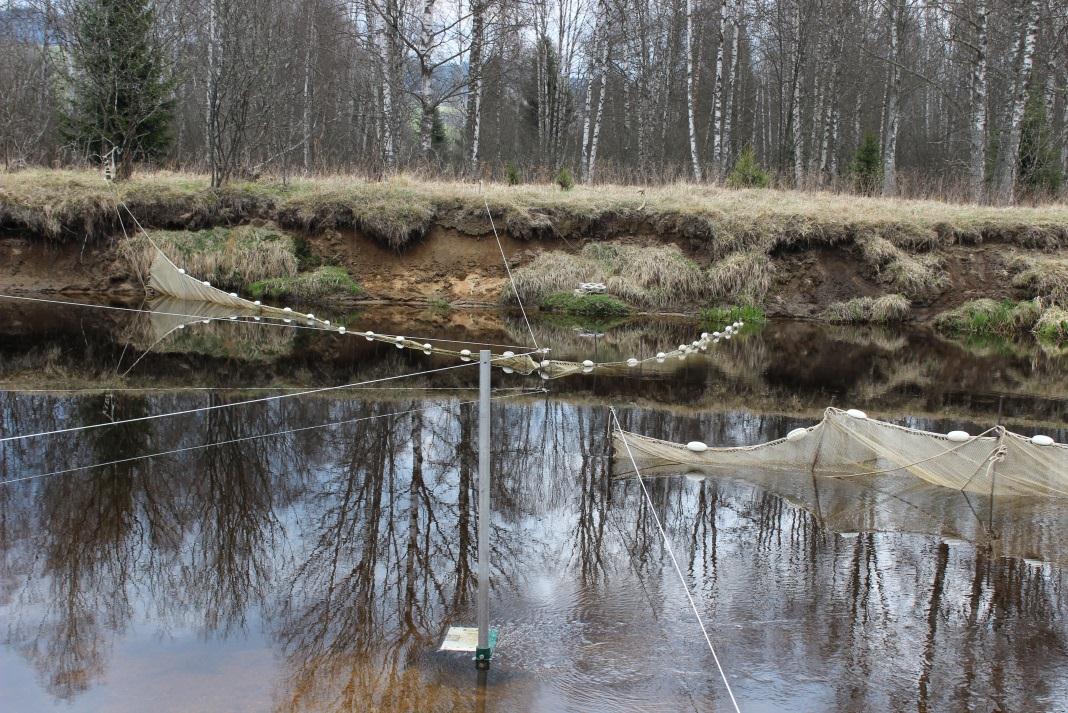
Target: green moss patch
point(989, 317)
point(326, 281)
point(595, 306)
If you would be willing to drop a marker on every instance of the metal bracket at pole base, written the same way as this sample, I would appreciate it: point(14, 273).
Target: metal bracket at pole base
point(482, 658)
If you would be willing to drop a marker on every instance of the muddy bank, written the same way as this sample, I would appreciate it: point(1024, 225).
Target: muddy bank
point(795, 254)
point(453, 268)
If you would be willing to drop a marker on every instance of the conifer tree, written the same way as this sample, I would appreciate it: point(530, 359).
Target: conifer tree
point(120, 96)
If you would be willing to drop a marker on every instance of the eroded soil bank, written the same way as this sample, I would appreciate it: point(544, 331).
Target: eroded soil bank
point(794, 254)
point(460, 269)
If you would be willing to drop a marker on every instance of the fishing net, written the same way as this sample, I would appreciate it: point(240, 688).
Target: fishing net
point(846, 446)
point(997, 490)
point(167, 279)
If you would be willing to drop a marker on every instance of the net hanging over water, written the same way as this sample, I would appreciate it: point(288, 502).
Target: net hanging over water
point(997, 490)
point(169, 280)
point(847, 444)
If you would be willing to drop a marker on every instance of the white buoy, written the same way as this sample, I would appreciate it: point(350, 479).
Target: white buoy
point(465, 352)
point(682, 348)
point(588, 364)
point(736, 325)
point(1041, 440)
point(716, 335)
point(206, 321)
point(508, 354)
point(369, 334)
point(543, 375)
point(704, 335)
point(632, 362)
point(695, 344)
point(311, 316)
point(427, 347)
point(797, 434)
point(958, 436)
point(233, 316)
point(233, 294)
point(697, 446)
point(287, 321)
point(741, 324)
point(545, 363)
point(660, 355)
point(206, 283)
point(181, 326)
point(257, 303)
point(398, 339)
point(507, 370)
point(341, 329)
point(856, 413)
point(326, 322)
point(256, 318)
point(286, 309)
point(181, 271)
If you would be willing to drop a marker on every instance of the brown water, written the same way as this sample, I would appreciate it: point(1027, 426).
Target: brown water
point(318, 571)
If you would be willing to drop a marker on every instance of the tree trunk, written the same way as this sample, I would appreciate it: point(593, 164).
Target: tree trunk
point(717, 90)
point(1025, 48)
point(695, 163)
point(426, 103)
point(893, 108)
point(977, 160)
point(474, 97)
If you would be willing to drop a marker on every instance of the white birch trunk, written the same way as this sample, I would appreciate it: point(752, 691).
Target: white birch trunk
point(592, 168)
point(893, 108)
point(717, 91)
point(695, 163)
point(977, 160)
point(1025, 61)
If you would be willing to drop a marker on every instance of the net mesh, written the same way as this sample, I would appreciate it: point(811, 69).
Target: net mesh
point(843, 446)
point(996, 490)
point(169, 280)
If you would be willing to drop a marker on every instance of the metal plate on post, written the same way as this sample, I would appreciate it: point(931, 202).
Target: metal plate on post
point(465, 638)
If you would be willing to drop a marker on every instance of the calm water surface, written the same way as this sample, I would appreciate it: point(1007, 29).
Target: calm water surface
point(318, 570)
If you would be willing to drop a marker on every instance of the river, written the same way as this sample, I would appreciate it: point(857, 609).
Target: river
point(318, 570)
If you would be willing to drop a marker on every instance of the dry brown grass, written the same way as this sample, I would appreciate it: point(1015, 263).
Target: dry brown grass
point(227, 257)
point(741, 278)
point(868, 310)
point(77, 204)
point(653, 276)
point(1041, 276)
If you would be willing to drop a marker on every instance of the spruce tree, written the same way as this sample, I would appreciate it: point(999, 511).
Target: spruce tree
point(120, 97)
point(1040, 171)
point(867, 165)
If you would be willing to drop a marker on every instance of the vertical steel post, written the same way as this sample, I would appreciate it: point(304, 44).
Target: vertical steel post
point(482, 653)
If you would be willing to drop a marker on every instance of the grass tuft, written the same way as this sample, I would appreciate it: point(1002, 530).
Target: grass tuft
point(228, 257)
point(1052, 326)
point(1043, 276)
point(985, 317)
point(596, 306)
point(326, 280)
point(868, 310)
point(743, 277)
point(651, 276)
point(717, 316)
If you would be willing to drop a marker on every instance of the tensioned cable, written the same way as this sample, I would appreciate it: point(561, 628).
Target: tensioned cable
point(427, 339)
point(161, 389)
point(244, 438)
point(508, 269)
point(236, 403)
point(671, 554)
point(250, 319)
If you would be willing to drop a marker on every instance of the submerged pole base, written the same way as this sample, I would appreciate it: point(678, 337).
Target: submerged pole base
point(482, 658)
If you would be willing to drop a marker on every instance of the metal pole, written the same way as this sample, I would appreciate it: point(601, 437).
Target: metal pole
point(482, 653)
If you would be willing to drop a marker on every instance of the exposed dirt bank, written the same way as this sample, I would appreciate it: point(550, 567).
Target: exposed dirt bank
point(406, 241)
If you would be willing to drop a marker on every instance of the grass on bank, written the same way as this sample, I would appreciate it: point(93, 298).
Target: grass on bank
point(229, 258)
point(648, 276)
point(869, 310)
point(326, 281)
point(80, 204)
point(592, 306)
point(718, 316)
point(981, 317)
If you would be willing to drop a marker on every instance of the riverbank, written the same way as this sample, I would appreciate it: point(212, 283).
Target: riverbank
point(678, 248)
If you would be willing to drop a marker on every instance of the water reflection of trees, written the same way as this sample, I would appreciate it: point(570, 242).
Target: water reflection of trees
point(355, 547)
